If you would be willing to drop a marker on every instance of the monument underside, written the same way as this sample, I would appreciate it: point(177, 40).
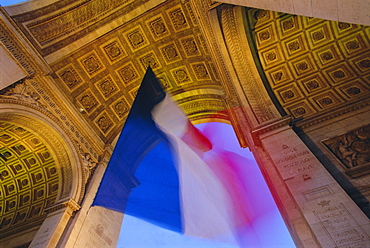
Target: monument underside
point(258, 70)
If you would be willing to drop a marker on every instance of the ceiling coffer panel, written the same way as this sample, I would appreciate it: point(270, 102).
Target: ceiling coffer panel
point(312, 65)
point(101, 79)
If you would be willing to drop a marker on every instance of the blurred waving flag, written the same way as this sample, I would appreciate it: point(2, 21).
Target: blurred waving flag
point(163, 171)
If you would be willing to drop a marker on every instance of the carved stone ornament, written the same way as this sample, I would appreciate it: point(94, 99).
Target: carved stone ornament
point(71, 206)
point(353, 150)
point(21, 91)
point(88, 165)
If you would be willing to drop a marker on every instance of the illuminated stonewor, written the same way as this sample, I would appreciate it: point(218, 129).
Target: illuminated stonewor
point(295, 89)
point(29, 178)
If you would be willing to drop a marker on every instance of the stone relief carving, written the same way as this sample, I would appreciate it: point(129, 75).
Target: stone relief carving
point(121, 108)
point(88, 165)
point(114, 51)
point(352, 148)
point(151, 60)
point(190, 46)
point(88, 101)
point(92, 64)
point(158, 27)
point(178, 18)
point(70, 77)
point(22, 91)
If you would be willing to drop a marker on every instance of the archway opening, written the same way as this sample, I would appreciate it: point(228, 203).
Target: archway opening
point(267, 226)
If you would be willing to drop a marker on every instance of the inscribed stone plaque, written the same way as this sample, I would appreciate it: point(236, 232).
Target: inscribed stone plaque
point(341, 227)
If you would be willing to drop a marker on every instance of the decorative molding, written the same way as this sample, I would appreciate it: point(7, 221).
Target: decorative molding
point(21, 91)
point(342, 109)
point(48, 105)
point(74, 130)
point(259, 101)
point(34, 94)
point(83, 14)
point(88, 23)
point(269, 127)
point(11, 42)
point(39, 12)
point(71, 206)
point(272, 125)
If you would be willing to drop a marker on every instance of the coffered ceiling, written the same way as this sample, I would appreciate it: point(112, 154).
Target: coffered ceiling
point(312, 65)
point(29, 179)
point(101, 78)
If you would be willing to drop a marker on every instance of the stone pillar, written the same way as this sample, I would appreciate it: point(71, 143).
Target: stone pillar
point(332, 216)
point(101, 228)
point(93, 226)
point(54, 225)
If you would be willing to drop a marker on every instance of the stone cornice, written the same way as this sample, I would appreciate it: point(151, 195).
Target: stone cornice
point(270, 127)
point(18, 45)
point(70, 207)
point(330, 114)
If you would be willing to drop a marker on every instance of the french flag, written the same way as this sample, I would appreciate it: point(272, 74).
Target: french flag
point(163, 170)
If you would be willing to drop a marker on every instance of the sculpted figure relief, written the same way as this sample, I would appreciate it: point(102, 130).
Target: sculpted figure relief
point(352, 148)
point(88, 165)
point(22, 92)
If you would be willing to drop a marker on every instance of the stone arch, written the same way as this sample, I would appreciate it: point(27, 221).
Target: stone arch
point(260, 104)
point(44, 127)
